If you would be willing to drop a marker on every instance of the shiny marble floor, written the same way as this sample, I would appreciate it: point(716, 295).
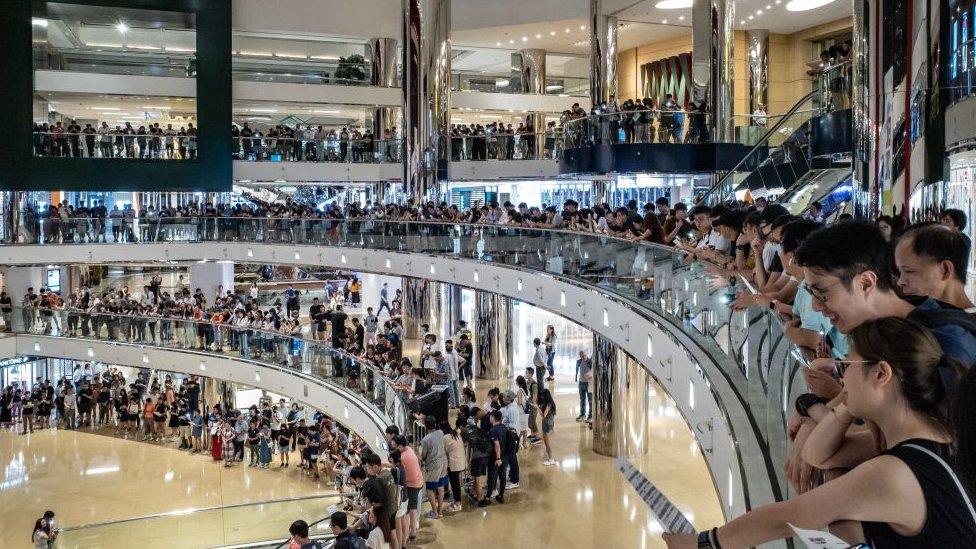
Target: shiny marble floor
point(583, 501)
point(88, 478)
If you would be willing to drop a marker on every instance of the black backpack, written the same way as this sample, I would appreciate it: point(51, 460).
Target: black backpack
point(476, 438)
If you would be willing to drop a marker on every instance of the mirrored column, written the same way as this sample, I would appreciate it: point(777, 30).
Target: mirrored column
point(757, 63)
point(531, 65)
point(712, 68)
point(493, 339)
point(620, 401)
point(603, 54)
point(426, 96)
point(381, 55)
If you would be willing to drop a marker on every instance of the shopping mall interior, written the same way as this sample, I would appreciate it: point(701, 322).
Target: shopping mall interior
point(579, 273)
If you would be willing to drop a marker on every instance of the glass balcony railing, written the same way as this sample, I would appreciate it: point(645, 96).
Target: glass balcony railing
point(113, 144)
point(748, 346)
point(637, 126)
point(508, 146)
point(327, 149)
point(346, 373)
point(563, 86)
point(260, 524)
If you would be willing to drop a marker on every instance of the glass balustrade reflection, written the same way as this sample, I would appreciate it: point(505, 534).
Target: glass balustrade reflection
point(749, 346)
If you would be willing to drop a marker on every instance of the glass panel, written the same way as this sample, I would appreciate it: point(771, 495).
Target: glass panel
point(215, 527)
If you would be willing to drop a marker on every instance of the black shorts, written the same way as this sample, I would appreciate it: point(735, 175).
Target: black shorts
point(413, 498)
point(479, 466)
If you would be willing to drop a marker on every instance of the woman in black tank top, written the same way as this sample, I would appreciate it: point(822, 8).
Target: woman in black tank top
point(907, 496)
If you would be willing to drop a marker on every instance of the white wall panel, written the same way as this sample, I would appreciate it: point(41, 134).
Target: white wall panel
point(362, 19)
point(117, 84)
point(515, 101)
point(315, 171)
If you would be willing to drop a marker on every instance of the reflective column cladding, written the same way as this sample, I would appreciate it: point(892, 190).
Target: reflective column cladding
point(531, 66)
point(712, 68)
point(381, 55)
point(417, 296)
point(865, 200)
point(426, 96)
point(757, 59)
point(603, 54)
point(493, 318)
point(620, 401)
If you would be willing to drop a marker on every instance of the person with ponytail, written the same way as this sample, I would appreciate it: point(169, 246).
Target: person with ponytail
point(901, 490)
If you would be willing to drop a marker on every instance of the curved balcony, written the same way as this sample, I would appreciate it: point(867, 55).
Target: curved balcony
point(352, 391)
point(730, 372)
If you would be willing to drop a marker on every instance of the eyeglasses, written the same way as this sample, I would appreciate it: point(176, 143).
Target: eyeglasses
point(820, 295)
point(841, 366)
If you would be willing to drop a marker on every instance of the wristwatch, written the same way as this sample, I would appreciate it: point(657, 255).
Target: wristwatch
point(806, 401)
point(772, 304)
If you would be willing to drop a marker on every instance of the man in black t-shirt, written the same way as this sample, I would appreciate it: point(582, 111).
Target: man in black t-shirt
point(497, 470)
point(338, 319)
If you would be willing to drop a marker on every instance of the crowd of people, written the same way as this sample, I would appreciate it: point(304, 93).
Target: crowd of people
point(881, 444)
point(123, 141)
point(314, 144)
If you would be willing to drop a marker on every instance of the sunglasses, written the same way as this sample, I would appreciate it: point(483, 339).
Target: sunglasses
point(841, 366)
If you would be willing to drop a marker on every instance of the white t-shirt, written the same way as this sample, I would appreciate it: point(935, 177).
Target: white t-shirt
point(375, 539)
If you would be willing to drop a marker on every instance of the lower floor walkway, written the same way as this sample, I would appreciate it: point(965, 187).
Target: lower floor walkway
point(581, 501)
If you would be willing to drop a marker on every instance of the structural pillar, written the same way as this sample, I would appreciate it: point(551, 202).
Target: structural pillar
point(12, 211)
point(757, 59)
point(16, 280)
point(603, 54)
point(493, 337)
point(426, 96)
point(602, 191)
point(620, 401)
point(712, 73)
point(381, 54)
point(212, 277)
point(864, 194)
point(531, 66)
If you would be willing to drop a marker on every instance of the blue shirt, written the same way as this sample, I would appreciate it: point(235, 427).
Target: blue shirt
point(957, 342)
point(817, 322)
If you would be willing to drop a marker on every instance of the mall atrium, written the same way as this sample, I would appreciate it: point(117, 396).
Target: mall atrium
point(635, 274)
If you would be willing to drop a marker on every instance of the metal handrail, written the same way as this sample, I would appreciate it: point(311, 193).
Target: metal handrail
point(763, 141)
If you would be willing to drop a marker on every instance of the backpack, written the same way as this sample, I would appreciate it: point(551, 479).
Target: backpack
point(946, 315)
point(477, 439)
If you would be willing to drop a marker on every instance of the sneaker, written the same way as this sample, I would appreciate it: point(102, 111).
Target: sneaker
point(536, 442)
point(579, 417)
point(511, 485)
point(549, 462)
point(484, 503)
point(431, 515)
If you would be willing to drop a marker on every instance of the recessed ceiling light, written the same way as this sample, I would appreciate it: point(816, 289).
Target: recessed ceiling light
point(804, 5)
point(511, 41)
point(552, 33)
point(758, 12)
point(665, 22)
point(525, 38)
point(673, 4)
point(498, 44)
point(122, 27)
point(582, 27)
point(750, 18)
point(743, 22)
point(681, 18)
point(567, 30)
point(538, 36)
point(768, 7)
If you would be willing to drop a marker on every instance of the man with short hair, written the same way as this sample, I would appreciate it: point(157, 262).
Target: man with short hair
point(413, 480)
point(511, 418)
point(540, 358)
point(663, 207)
point(433, 461)
point(497, 436)
point(955, 219)
point(340, 527)
point(932, 261)
point(584, 369)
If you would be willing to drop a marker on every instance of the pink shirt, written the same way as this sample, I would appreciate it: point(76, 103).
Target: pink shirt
point(411, 467)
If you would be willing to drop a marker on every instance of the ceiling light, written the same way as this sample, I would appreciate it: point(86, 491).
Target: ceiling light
point(582, 27)
point(758, 12)
point(180, 50)
point(567, 29)
point(100, 45)
point(122, 27)
point(768, 7)
point(262, 110)
point(142, 47)
point(498, 44)
point(681, 18)
point(511, 41)
point(552, 33)
point(750, 18)
point(743, 22)
point(665, 22)
point(804, 5)
point(525, 38)
point(256, 53)
point(291, 55)
point(324, 57)
point(156, 107)
point(325, 112)
point(38, 22)
point(673, 4)
point(105, 109)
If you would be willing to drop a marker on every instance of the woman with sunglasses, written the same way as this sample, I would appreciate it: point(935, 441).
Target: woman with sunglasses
point(906, 496)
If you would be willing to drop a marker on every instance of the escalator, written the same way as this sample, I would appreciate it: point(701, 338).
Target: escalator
point(804, 156)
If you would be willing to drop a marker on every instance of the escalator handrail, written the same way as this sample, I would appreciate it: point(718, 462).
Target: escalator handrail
point(764, 140)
